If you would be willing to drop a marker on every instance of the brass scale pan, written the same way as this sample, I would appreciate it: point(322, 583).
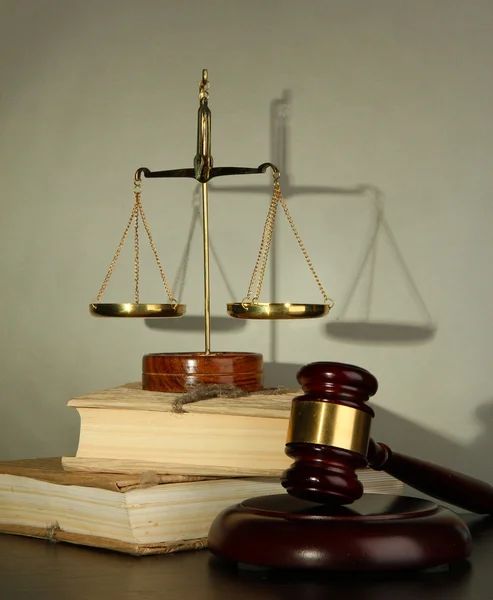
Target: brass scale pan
point(237, 310)
point(128, 310)
point(274, 310)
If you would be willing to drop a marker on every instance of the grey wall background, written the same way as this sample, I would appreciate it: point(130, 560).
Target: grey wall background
point(364, 104)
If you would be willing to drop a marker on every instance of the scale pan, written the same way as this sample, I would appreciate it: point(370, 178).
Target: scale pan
point(143, 311)
point(270, 310)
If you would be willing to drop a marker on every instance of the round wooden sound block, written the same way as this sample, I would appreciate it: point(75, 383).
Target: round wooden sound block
point(376, 533)
point(182, 371)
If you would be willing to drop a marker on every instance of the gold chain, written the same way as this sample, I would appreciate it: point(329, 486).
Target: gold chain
point(117, 254)
point(173, 300)
point(270, 233)
point(327, 300)
point(137, 189)
point(136, 211)
point(262, 253)
point(261, 262)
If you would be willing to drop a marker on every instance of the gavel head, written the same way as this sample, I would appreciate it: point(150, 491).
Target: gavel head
point(329, 433)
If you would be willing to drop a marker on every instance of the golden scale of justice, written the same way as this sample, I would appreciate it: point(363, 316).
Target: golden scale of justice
point(178, 372)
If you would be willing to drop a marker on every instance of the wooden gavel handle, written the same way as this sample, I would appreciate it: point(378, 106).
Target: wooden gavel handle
point(438, 482)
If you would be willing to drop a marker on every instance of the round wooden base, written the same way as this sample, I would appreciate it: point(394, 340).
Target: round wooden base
point(182, 371)
point(376, 533)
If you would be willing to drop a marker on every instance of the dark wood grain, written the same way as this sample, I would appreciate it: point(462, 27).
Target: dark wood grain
point(376, 533)
point(182, 371)
point(327, 474)
point(341, 383)
point(444, 484)
point(324, 473)
point(46, 571)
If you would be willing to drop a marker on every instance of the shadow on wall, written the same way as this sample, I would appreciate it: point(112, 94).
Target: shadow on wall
point(194, 323)
point(368, 330)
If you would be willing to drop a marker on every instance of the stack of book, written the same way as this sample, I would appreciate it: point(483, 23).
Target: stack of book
point(149, 477)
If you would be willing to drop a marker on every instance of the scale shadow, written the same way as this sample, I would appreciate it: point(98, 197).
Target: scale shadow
point(368, 330)
point(194, 323)
point(374, 332)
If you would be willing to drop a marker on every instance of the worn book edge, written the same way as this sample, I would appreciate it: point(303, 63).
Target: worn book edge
point(369, 477)
point(129, 397)
point(116, 465)
point(54, 533)
point(52, 471)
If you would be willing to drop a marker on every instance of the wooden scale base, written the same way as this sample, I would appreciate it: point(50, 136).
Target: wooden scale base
point(182, 371)
point(376, 533)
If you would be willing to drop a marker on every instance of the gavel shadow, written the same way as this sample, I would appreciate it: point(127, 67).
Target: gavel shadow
point(319, 585)
point(404, 436)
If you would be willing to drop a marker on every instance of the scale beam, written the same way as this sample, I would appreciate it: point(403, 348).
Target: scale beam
point(214, 172)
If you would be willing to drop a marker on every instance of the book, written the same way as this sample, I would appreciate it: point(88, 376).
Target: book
point(137, 514)
point(127, 429)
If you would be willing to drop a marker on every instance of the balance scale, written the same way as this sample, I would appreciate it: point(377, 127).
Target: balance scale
point(179, 371)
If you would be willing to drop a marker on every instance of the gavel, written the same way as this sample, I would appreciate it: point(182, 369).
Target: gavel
point(329, 441)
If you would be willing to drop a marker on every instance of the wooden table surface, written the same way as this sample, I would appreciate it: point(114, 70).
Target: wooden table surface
point(40, 569)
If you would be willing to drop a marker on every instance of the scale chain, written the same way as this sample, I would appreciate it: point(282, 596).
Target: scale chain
point(269, 234)
point(261, 262)
point(327, 300)
point(262, 253)
point(136, 245)
point(136, 211)
point(116, 256)
point(173, 300)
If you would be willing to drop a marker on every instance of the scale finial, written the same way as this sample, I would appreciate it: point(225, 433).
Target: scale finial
point(204, 86)
point(203, 158)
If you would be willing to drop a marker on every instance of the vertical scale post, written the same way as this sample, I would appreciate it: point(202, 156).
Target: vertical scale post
point(183, 371)
point(203, 164)
point(207, 282)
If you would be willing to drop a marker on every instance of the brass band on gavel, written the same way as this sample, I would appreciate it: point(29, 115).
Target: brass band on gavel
point(328, 424)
